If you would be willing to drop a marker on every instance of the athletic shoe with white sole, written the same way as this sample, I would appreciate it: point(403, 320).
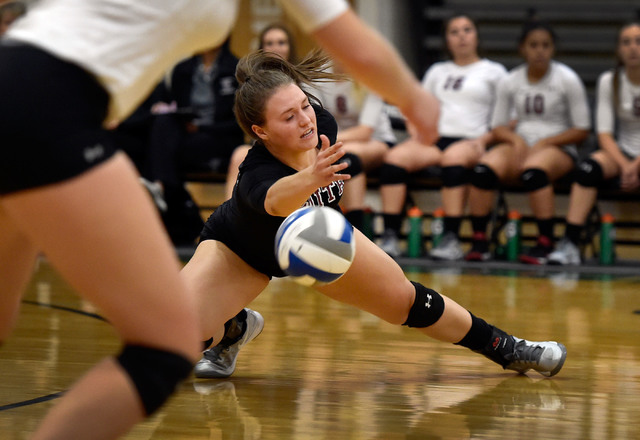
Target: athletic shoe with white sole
point(390, 243)
point(220, 361)
point(449, 248)
point(566, 254)
point(520, 355)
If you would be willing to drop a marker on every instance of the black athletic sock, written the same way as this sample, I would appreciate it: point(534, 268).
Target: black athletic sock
point(452, 224)
point(573, 233)
point(356, 218)
point(480, 223)
point(489, 341)
point(545, 227)
point(393, 222)
point(206, 344)
point(478, 336)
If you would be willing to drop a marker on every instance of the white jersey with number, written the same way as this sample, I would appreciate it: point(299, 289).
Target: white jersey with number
point(352, 105)
point(627, 115)
point(546, 108)
point(466, 95)
point(129, 44)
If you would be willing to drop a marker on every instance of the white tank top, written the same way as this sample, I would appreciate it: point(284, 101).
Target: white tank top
point(129, 44)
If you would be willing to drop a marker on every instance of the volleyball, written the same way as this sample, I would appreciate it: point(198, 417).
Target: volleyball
point(315, 244)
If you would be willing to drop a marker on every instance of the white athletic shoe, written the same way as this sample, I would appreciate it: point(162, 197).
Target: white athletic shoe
point(390, 243)
point(566, 253)
point(220, 361)
point(449, 248)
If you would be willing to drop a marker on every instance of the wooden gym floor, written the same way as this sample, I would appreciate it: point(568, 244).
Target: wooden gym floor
point(322, 370)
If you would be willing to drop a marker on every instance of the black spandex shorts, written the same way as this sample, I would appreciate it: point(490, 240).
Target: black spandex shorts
point(51, 115)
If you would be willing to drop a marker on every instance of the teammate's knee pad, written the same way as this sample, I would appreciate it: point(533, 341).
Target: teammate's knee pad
point(155, 373)
point(427, 308)
point(589, 173)
point(456, 175)
point(391, 174)
point(483, 177)
point(534, 179)
point(354, 162)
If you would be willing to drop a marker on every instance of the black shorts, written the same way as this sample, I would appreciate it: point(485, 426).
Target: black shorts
point(51, 115)
point(444, 142)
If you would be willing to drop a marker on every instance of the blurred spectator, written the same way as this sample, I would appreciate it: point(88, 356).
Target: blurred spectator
point(618, 129)
point(194, 129)
point(552, 113)
point(465, 87)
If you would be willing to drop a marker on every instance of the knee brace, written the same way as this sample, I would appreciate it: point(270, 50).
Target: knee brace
point(155, 373)
point(427, 308)
point(589, 173)
point(391, 174)
point(533, 179)
point(455, 176)
point(354, 162)
point(483, 177)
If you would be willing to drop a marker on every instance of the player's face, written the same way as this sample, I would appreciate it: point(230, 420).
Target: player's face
point(629, 46)
point(462, 38)
point(290, 121)
point(276, 41)
point(537, 49)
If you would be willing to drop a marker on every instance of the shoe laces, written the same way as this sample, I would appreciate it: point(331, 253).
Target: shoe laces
point(215, 354)
point(524, 353)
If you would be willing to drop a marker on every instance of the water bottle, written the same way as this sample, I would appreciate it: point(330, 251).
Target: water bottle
point(414, 239)
point(437, 227)
point(607, 239)
point(513, 231)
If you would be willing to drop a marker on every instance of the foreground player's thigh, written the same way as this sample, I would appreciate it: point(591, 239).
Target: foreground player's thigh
point(374, 282)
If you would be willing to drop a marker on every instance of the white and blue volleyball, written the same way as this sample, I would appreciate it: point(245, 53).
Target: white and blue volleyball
point(315, 244)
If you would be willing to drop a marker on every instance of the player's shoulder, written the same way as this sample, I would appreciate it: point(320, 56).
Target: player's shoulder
point(493, 65)
point(564, 71)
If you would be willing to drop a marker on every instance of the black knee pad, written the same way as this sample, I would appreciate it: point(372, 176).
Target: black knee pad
point(427, 308)
point(455, 176)
point(533, 179)
point(354, 162)
point(483, 177)
point(589, 173)
point(391, 174)
point(155, 373)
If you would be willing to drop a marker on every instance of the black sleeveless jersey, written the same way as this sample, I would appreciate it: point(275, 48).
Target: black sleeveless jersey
point(242, 223)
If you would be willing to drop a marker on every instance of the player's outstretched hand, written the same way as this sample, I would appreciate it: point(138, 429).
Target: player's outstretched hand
point(325, 169)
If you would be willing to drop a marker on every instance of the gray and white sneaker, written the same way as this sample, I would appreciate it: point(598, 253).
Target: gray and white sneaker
point(449, 248)
point(390, 243)
point(220, 361)
point(547, 358)
point(566, 253)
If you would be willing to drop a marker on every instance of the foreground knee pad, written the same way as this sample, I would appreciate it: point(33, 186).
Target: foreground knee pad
point(427, 308)
point(155, 373)
point(455, 176)
point(354, 162)
point(533, 179)
point(589, 173)
point(483, 177)
point(391, 174)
